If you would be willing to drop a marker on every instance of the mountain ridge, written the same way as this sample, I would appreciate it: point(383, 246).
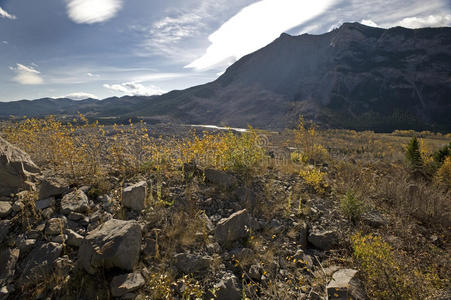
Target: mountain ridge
point(356, 77)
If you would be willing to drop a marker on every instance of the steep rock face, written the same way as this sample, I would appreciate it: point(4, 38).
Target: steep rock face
point(16, 168)
point(354, 77)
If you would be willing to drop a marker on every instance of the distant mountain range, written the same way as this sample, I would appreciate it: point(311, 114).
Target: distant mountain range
point(356, 77)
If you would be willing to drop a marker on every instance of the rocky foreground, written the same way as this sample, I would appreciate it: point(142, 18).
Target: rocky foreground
point(107, 249)
point(210, 235)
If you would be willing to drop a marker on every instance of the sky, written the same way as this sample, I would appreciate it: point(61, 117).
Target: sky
point(104, 48)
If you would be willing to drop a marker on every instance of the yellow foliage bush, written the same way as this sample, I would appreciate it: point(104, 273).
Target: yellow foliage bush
point(306, 138)
point(389, 276)
point(314, 177)
point(443, 175)
point(226, 151)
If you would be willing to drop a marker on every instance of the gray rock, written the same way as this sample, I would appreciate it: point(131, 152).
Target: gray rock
point(45, 203)
point(39, 264)
point(16, 169)
point(345, 286)
point(115, 243)
point(77, 201)
point(208, 223)
point(374, 219)
point(233, 228)
point(8, 260)
point(73, 239)
point(6, 290)
point(255, 272)
point(36, 232)
point(323, 240)
point(60, 238)
point(247, 198)
point(63, 265)
point(134, 196)
point(18, 206)
point(220, 178)
point(74, 216)
point(107, 202)
point(25, 245)
point(303, 234)
point(55, 226)
point(5, 209)
point(190, 263)
point(228, 288)
point(127, 283)
point(48, 212)
point(52, 187)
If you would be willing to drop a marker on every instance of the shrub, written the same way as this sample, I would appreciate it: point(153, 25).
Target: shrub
point(443, 175)
point(306, 138)
point(351, 206)
point(440, 155)
point(390, 275)
point(314, 177)
point(227, 151)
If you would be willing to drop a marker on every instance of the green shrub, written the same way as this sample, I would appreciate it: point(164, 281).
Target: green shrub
point(440, 155)
point(352, 206)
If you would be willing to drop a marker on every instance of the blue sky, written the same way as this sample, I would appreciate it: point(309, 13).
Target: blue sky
point(104, 48)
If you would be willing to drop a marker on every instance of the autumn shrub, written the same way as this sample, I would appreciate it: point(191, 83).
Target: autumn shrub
point(443, 175)
point(314, 178)
point(61, 146)
point(84, 152)
point(306, 138)
point(389, 274)
point(240, 153)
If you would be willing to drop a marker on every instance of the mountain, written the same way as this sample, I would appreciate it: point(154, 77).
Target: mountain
point(355, 77)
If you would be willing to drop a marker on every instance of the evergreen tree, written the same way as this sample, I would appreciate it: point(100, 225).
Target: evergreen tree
point(413, 154)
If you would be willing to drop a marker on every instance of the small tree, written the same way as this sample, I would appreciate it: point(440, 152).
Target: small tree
point(413, 154)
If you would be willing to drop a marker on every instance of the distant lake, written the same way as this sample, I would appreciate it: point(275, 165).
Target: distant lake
point(220, 128)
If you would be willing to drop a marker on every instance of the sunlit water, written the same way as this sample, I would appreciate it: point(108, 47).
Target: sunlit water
point(220, 128)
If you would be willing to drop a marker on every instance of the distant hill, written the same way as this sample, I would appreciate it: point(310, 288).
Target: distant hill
point(355, 77)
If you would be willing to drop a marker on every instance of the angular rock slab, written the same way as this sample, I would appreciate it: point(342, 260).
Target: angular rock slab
point(39, 264)
point(127, 283)
point(77, 201)
point(4, 229)
point(115, 243)
point(8, 260)
point(220, 178)
point(52, 187)
point(191, 263)
point(233, 228)
point(16, 169)
point(5, 209)
point(134, 196)
point(228, 288)
point(345, 286)
point(323, 240)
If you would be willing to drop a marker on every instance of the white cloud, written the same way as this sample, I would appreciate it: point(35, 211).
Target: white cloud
point(92, 11)
point(26, 75)
point(369, 23)
point(5, 42)
point(255, 26)
point(429, 21)
point(5, 14)
point(80, 96)
point(135, 89)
